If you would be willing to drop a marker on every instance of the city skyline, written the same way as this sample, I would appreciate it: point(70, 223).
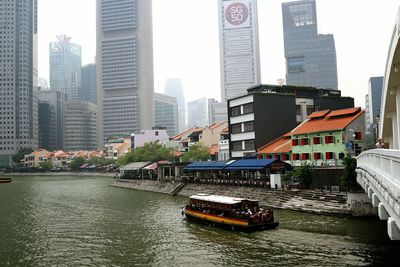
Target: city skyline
point(191, 50)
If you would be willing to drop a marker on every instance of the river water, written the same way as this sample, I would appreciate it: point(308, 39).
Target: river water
point(71, 221)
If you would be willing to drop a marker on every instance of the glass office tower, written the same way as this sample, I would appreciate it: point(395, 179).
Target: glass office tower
point(310, 57)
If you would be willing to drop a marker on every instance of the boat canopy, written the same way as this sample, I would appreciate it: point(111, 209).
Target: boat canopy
point(250, 164)
point(217, 199)
point(208, 165)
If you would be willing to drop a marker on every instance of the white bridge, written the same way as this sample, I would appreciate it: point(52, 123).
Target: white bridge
point(378, 170)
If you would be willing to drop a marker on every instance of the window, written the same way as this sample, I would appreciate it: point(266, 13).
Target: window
point(317, 156)
point(249, 145)
point(309, 109)
point(248, 108)
point(295, 64)
point(237, 146)
point(329, 155)
point(235, 111)
point(249, 126)
point(296, 156)
point(317, 140)
point(295, 142)
point(304, 142)
point(341, 155)
point(358, 135)
point(305, 156)
point(156, 133)
point(236, 128)
point(277, 156)
point(329, 139)
point(298, 110)
point(285, 157)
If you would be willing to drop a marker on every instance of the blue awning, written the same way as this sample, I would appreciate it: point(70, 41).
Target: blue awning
point(208, 165)
point(250, 164)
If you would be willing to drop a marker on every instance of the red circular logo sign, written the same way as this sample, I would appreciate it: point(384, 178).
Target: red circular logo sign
point(236, 13)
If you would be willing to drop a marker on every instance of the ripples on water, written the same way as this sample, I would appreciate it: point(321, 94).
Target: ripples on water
point(85, 222)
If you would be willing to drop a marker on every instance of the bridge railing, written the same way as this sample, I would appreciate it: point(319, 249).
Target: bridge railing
point(385, 163)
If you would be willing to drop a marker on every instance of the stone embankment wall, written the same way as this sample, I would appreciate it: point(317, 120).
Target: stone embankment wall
point(85, 174)
point(318, 202)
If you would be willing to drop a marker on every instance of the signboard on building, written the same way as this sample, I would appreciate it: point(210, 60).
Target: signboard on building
point(236, 14)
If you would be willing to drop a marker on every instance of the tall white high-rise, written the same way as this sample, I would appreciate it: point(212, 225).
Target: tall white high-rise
point(125, 83)
point(239, 47)
point(18, 78)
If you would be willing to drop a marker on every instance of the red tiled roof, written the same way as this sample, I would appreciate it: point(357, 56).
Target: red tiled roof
point(185, 133)
point(335, 120)
point(177, 153)
point(217, 124)
point(346, 111)
point(185, 140)
point(318, 114)
point(282, 144)
point(225, 131)
point(214, 150)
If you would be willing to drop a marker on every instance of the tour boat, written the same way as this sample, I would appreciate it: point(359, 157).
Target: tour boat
point(5, 180)
point(239, 214)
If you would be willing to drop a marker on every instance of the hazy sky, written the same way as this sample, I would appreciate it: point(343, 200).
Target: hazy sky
point(186, 42)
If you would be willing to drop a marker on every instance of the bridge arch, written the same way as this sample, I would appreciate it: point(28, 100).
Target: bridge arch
point(390, 106)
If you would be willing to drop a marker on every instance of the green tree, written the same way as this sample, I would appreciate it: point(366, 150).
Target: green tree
point(46, 165)
point(349, 178)
point(197, 152)
point(152, 151)
point(76, 163)
point(304, 174)
point(21, 154)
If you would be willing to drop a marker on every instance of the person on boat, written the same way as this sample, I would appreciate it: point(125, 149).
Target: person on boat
point(261, 215)
point(249, 213)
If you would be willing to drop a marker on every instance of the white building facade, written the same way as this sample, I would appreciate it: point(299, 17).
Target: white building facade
point(239, 47)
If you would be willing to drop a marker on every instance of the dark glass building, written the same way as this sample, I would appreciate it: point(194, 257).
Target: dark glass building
point(310, 57)
point(374, 101)
point(87, 91)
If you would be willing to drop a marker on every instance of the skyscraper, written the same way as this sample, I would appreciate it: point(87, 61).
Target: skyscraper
point(52, 100)
point(173, 87)
point(166, 113)
point(18, 78)
point(310, 57)
point(239, 48)
point(217, 111)
point(88, 89)
point(197, 113)
point(374, 103)
point(124, 67)
point(80, 125)
point(65, 66)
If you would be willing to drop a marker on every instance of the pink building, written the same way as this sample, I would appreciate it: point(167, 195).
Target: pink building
point(146, 136)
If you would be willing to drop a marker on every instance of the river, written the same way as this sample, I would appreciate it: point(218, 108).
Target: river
point(82, 221)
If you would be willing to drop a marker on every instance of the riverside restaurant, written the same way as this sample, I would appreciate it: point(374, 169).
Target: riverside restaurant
point(241, 168)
